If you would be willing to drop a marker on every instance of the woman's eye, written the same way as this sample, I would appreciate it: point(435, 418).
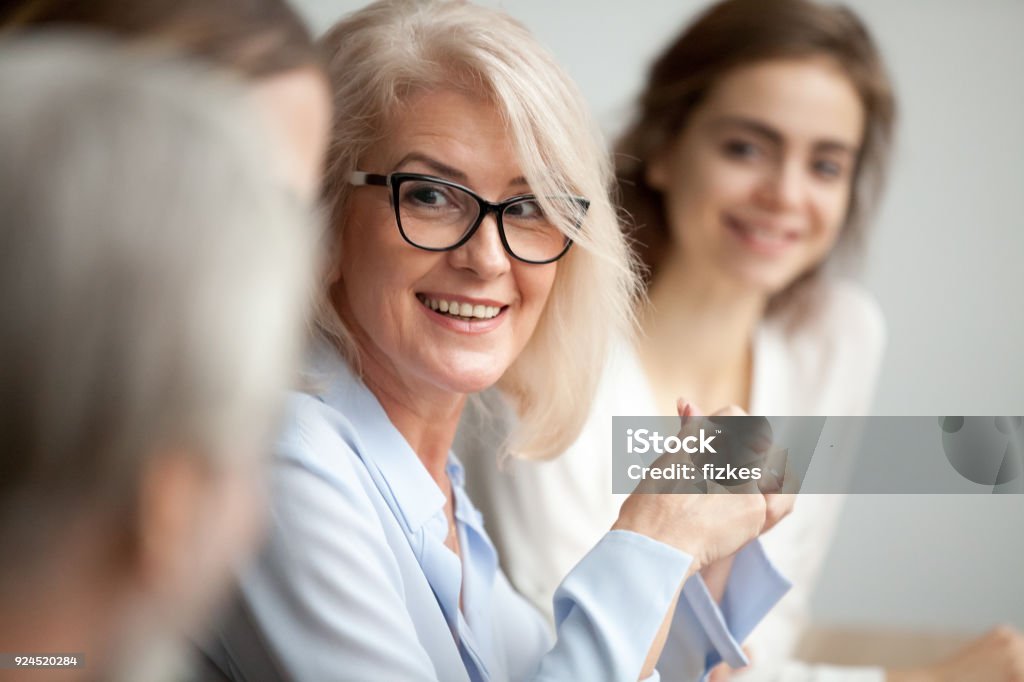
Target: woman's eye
point(427, 196)
point(525, 209)
point(741, 149)
point(828, 169)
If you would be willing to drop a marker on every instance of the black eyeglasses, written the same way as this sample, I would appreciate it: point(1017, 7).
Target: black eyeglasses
point(439, 215)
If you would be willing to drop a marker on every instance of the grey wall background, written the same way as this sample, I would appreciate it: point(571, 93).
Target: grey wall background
point(946, 262)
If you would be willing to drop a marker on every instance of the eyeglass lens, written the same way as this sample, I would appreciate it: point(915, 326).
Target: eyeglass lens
point(437, 216)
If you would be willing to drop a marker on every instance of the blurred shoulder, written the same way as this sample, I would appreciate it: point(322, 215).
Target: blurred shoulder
point(848, 311)
point(826, 351)
point(840, 314)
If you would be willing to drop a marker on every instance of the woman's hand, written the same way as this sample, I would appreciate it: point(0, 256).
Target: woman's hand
point(998, 656)
point(757, 439)
point(708, 527)
point(779, 506)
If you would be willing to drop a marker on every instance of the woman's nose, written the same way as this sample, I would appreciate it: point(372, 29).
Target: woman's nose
point(783, 186)
point(484, 253)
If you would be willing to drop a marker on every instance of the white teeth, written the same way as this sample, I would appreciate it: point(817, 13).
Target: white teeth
point(759, 233)
point(457, 309)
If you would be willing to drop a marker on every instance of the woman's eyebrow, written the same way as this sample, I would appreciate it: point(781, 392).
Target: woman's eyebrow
point(761, 129)
point(751, 125)
point(835, 146)
point(447, 172)
point(440, 168)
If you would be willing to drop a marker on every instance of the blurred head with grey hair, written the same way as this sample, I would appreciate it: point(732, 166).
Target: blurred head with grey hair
point(156, 270)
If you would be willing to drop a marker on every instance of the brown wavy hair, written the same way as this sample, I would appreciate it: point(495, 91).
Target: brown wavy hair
point(736, 33)
point(254, 38)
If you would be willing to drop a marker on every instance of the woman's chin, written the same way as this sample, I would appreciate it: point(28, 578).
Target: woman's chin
point(485, 378)
point(469, 377)
point(761, 280)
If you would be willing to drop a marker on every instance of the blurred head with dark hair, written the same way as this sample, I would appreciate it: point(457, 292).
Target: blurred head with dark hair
point(262, 41)
point(761, 142)
point(257, 38)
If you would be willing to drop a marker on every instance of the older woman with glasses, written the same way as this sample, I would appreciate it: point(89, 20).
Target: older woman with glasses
point(474, 244)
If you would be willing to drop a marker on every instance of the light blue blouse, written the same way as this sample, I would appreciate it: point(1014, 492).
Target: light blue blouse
point(356, 583)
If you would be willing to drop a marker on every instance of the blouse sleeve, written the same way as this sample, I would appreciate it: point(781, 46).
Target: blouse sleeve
point(705, 633)
point(610, 607)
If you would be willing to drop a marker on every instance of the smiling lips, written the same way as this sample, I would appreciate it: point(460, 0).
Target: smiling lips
point(761, 238)
point(460, 310)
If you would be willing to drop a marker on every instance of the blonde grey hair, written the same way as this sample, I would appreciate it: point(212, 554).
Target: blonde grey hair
point(381, 55)
point(155, 272)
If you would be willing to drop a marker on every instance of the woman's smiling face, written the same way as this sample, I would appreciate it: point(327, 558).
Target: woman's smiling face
point(757, 184)
point(389, 293)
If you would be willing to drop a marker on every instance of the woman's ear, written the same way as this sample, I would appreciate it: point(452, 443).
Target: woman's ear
point(656, 169)
point(332, 273)
point(168, 512)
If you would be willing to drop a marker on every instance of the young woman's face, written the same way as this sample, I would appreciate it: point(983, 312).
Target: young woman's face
point(390, 292)
point(757, 184)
